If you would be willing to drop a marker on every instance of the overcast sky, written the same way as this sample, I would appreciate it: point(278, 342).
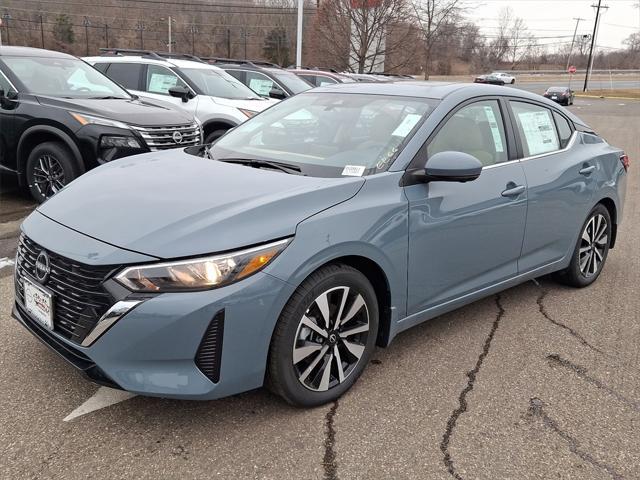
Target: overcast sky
point(555, 18)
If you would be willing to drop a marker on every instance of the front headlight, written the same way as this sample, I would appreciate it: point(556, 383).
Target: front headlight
point(248, 113)
point(91, 120)
point(109, 141)
point(200, 273)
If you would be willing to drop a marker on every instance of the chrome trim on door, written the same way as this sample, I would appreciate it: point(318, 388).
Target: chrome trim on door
point(115, 313)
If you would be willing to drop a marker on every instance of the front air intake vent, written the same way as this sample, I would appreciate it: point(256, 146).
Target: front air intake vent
point(210, 350)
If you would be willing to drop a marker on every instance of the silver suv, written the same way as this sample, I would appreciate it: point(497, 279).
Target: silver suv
point(216, 99)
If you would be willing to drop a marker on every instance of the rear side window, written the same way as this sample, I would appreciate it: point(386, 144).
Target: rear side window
point(322, 80)
point(101, 67)
point(161, 79)
point(476, 129)
point(311, 79)
point(126, 74)
point(536, 128)
point(564, 129)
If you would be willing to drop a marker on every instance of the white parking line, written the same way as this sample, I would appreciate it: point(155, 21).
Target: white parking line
point(104, 397)
point(5, 262)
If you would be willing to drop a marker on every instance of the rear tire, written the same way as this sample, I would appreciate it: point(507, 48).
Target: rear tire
point(591, 250)
point(49, 168)
point(513, 81)
point(315, 356)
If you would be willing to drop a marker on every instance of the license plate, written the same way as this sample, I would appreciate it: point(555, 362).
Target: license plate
point(554, 98)
point(39, 303)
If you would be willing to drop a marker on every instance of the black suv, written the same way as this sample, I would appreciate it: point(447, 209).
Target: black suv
point(264, 78)
point(60, 117)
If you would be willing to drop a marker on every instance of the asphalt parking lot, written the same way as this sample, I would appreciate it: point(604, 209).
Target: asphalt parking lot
point(540, 382)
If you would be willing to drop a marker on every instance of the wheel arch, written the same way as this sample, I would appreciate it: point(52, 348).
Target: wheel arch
point(38, 134)
point(216, 124)
point(610, 205)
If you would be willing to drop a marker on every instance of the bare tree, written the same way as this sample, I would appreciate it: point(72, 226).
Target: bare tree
point(431, 16)
point(357, 30)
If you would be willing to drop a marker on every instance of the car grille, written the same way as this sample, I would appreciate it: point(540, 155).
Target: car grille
point(79, 297)
point(170, 136)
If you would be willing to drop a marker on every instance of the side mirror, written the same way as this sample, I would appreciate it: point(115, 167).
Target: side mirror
point(452, 167)
point(180, 92)
point(6, 99)
point(277, 93)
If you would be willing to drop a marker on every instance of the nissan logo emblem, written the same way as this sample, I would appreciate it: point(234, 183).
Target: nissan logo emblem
point(43, 267)
point(177, 137)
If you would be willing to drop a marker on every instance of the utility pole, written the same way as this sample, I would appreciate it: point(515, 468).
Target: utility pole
point(573, 41)
point(140, 27)
point(299, 35)
point(593, 43)
point(42, 31)
point(244, 35)
point(106, 34)
point(86, 24)
point(228, 43)
point(170, 39)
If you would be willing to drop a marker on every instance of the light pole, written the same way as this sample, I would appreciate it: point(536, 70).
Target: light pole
point(573, 40)
point(299, 35)
point(87, 24)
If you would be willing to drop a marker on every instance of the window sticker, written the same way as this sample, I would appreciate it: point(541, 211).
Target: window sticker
point(495, 130)
point(539, 131)
point(353, 170)
point(260, 86)
point(406, 125)
point(161, 82)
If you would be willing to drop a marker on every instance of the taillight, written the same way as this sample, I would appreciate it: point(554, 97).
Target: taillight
point(624, 158)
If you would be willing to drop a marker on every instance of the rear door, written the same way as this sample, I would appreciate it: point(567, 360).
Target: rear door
point(464, 237)
point(561, 182)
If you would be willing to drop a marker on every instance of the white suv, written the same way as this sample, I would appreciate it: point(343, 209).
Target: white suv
point(215, 98)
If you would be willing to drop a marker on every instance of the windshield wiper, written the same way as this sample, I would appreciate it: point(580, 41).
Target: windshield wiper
point(252, 162)
point(107, 97)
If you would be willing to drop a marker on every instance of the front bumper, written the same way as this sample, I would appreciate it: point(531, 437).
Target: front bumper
point(153, 349)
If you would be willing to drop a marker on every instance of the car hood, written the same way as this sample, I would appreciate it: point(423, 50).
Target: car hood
point(135, 112)
point(256, 105)
point(171, 204)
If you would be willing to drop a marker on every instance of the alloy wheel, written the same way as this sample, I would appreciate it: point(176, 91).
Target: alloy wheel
point(331, 338)
point(48, 175)
point(593, 245)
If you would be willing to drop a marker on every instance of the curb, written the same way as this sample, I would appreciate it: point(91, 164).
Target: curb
point(605, 97)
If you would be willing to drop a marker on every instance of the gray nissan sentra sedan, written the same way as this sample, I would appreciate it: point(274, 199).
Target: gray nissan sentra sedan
point(315, 231)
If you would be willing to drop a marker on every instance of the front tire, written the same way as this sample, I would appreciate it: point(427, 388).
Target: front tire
point(213, 136)
point(324, 338)
point(513, 81)
point(592, 248)
point(49, 168)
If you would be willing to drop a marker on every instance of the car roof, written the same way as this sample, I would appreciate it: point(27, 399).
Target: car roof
point(180, 63)
point(31, 52)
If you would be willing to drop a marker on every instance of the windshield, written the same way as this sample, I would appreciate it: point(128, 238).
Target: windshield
point(291, 81)
point(63, 77)
point(328, 134)
point(218, 84)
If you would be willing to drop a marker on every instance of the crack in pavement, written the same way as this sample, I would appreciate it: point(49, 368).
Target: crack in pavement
point(462, 399)
point(582, 373)
point(329, 461)
point(545, 314)
point(536, 410)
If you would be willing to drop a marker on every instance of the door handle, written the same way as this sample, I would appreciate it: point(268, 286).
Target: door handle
point(587, 170)
point(514, 191)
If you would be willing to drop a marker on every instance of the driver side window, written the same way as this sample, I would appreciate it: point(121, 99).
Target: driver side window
point(476, 129)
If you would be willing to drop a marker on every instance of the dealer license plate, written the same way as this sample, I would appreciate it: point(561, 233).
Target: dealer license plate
point(39, 303)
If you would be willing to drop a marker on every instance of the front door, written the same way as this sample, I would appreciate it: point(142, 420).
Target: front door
point(466, 236)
